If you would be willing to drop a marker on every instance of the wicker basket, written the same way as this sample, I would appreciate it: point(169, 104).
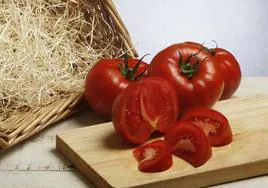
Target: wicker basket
point(23, 125)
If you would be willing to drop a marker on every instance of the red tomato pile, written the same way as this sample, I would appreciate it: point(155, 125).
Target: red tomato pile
point(172, 95)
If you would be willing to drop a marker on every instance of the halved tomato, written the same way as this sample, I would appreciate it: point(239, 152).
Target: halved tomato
point(189, 142)
point(214, 124)
point(143, 107)
point(153, 157)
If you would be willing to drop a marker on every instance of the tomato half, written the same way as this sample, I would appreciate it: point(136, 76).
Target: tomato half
point(189, 142)
point(229, 66)
point(194, 73)
point(214, 124)
point(107, 78)
point(143, 107)
point(153, 157)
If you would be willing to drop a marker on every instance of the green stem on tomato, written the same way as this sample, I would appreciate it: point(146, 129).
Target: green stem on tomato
point(189, 69)
point(128, 72)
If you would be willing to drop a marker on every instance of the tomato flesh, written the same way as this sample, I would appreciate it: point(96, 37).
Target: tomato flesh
point(189, 142)
point(127, 118)
point(209, 126)
point(214, 124)
point(159, 103)
point(148, 105)
point(153, 157)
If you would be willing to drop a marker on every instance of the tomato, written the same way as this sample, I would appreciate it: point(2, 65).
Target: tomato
point(230, 69)
point(194, 73)
point(195, 44)
point(214, 124)
point(143, 107)
point(189, 142)
point(107, 78)
point(153, 157)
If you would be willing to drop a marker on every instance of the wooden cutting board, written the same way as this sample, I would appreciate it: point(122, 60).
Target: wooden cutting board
point(107, 161)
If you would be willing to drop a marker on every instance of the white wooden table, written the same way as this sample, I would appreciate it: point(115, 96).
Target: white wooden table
point(35, 163)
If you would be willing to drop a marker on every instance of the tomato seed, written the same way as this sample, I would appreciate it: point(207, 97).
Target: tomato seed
point(209, 126)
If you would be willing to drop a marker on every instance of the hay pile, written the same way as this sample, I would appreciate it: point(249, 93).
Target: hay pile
point(46, 50)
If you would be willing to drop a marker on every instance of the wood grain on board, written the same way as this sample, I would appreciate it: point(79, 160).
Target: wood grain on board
point(106, 160)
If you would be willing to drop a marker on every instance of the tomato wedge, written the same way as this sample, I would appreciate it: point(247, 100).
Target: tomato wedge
point(143, 107)
point(214, 124)
point(189, 142)
point(153, 157)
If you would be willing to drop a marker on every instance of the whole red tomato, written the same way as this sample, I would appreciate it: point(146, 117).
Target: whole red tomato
point(194, 73)
point(107, 78)
point(229, 66)
point(144, 107)
point(230, 70)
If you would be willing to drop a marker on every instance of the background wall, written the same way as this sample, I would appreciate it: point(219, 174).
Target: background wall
point(241, 26)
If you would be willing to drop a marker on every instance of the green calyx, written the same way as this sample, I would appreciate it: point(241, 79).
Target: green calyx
point(189, 69)
point(128, 72)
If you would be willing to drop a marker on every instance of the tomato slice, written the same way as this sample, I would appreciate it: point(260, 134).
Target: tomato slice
point(214, 124)
point(144, 107)
point(189, 143)
point(153, 157)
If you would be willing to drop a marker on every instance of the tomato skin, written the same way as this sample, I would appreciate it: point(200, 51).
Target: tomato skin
point(198, 152)
point(229, 66)
point(205, 87)
point(105, 81)
point(143, 107)
point(195, 44)
point(159, 156)
point(204, 117)
point(230, 70)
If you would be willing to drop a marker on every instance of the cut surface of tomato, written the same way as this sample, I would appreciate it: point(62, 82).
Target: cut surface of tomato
point(189, 142)
point(153, 157)
point(143, 107)
point(214, 124)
